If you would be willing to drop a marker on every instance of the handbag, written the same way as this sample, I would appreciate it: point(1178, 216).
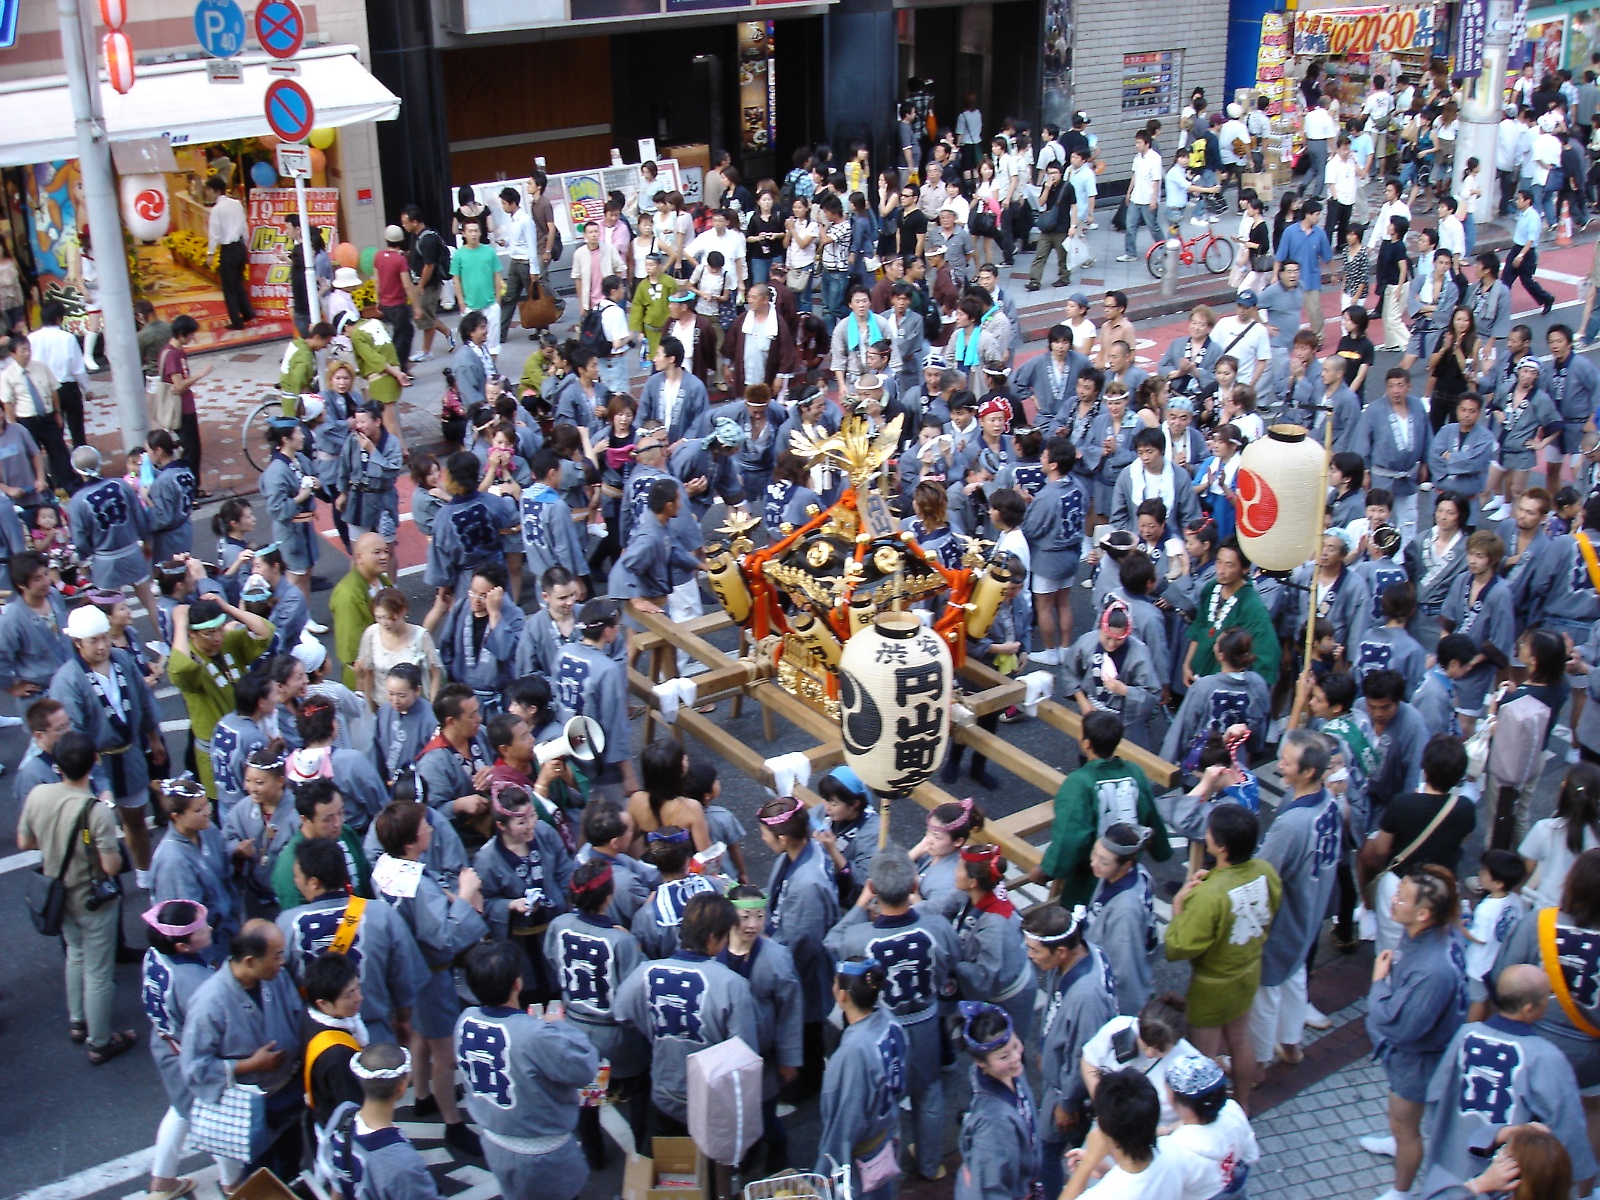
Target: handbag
point(234, 1127)
point(880, 1168)
point(46, 895)
point(798, 279)
point(166, 407)
point(1078, 252)
point(1261, 262)
point(541, 309)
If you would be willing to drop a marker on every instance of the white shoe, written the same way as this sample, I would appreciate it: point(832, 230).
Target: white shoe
point(1199, 222)
point(1046, 658)
point(1564, 732)
point(421, 356)
point(1397, 1194)
point(141, 879)
point(1366, 925)
point(1092, 225)
point(92, 367)
point(1379, 1145)
point(317, 627)
point(10, 722)
point(1317, 1019)
point(1127, 258)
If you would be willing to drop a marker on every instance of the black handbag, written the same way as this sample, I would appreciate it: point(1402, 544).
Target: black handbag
point(46, 895)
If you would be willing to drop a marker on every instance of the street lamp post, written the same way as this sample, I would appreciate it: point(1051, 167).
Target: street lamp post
point(100, 197)
point(1480, 111)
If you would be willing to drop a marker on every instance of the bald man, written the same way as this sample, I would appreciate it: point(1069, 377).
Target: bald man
point(350, 602)
point(1501, 1072)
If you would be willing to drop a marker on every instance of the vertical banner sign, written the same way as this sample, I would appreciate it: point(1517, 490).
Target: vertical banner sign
point(1270, 60)
point(1471, 31)
point(270, 245)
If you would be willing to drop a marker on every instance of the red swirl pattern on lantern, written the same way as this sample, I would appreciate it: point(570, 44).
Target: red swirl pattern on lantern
point(1255, 504)
point(114, 13)
point(119, 60)
point(150, 204)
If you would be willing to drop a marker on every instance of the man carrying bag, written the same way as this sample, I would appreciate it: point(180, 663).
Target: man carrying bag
point(78, 836)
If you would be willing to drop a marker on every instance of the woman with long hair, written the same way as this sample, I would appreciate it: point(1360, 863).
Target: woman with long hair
point(1553, 844)
point(661, 800)
point(1434, 558)
point(1451, 366)
point(763, 236)
point(988, 209)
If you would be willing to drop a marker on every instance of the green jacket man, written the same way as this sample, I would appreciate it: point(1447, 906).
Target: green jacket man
point(297, 374)
point(1104, 791)
point(350, 602)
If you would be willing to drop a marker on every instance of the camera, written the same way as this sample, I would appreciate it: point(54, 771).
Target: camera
point(102, 891)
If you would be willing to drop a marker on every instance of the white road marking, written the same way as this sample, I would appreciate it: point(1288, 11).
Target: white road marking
point(483, 1185)
point(175, 726)
point(94, 1179)
point(18, 862)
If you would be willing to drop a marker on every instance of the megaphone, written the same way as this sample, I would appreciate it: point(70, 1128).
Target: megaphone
point(581, 739)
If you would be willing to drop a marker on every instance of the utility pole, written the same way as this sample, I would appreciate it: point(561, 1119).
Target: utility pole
point(99, 194)
point(1481, 111)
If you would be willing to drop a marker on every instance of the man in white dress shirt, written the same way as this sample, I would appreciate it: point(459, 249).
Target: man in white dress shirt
point(520, 238)
point(227, 236)
point(60, 351)
point(1320, 130)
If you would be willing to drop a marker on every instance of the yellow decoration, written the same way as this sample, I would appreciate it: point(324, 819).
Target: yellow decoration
point(321, 139)
point(986, 597)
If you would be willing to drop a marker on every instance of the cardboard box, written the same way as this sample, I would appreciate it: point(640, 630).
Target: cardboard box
point(676, 1160)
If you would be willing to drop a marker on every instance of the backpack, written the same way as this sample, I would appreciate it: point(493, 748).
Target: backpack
point(1197, 154)
point(591, 336)
point(555, 242)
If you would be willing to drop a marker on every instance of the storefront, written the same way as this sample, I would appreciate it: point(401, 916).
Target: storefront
point(1560, 35)
point(162, 167)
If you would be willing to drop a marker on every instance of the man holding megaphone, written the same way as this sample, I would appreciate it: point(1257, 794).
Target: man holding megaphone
point(519, 763)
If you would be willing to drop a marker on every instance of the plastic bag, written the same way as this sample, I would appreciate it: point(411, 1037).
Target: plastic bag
point(1078, 252)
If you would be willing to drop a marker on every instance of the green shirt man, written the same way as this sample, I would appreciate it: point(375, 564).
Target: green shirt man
point(477, 267)
point(1103, 792)
point(283, 885)
point(207, 660)
point(297, 374)
point(350, 602)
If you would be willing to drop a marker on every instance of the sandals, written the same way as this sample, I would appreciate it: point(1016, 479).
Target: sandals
point(182, 1187)
point(78, 1031)
point(120, 1043)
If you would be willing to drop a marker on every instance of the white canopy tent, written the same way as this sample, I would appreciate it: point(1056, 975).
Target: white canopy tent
point(176, 101)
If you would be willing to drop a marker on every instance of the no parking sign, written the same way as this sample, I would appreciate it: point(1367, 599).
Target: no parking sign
point(289, 110)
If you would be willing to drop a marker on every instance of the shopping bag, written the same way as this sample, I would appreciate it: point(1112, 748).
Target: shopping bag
point(234, 1127)
point(1078, 252)
point(725, 1100)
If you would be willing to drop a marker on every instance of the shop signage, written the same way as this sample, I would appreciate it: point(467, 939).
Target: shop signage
point(1471, 33)
point(1150, 83)
point(1270, 60)
point(283, 70)
point(219, 27)
point(8, 23)
point(1363, 30)
point(294, 160)
point(289, 110)
point(224, 70)
point(267, 211)
point(280, 27)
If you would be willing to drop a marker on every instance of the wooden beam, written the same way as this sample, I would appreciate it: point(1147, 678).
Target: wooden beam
point(1003, 754)
point(1030, 820)
point(682, 638)
point(994, 699)
point(711, 622)
point(1159, 771)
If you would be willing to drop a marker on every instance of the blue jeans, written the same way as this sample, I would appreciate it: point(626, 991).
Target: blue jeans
point(1592, 329)
point(1536, 190)
point(760, 270)
point(1139, 214)
point(1552, 195)
point(614, 371)
point(1469, 225)
point(834, 286)
point(1052, 1171)
point(1208, 178)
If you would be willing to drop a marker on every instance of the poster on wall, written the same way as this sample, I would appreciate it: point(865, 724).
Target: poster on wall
point(1363, 30)
point(55, 194)
point(1150, 83)
point(1545, 41)
point(581, 195)
point(756, 92)
point(270, 244)
point(1583, 36)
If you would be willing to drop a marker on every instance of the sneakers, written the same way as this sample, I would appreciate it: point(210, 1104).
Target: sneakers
point(422, 356)
point(1045, 658)
point(1199, 222)
point(316, 627)
point(1092, 225)
point(1317, 1019)
point(1127, 258)
point(1383, 1146)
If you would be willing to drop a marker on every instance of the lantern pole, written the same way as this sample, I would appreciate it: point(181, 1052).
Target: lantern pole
point(105, 222)
point(883, 819)
point(1322, 527)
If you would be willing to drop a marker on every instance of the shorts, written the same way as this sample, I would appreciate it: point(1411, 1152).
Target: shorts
point(1472, 689)
point(1583, 1053)
point(1571, 439)
point(299, 550)
point(428, 302)
point(438, 1006)
point(1477, 991)
point(1409, 1073)
point(1044, 585)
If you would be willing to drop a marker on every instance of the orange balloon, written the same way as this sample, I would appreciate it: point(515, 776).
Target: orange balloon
point(269, 141)
point(346, 254)
point(319, 161)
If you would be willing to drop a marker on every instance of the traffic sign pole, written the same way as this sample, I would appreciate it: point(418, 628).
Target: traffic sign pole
point(307, 257)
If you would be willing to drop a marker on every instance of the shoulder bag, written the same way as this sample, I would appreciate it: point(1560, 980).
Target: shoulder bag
point(46, 894)
point(1416, 844)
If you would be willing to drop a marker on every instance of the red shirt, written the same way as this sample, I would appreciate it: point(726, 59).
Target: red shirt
point(175, 365)
point(388, 266)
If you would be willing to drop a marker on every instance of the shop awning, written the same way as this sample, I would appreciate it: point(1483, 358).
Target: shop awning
point(177, 102)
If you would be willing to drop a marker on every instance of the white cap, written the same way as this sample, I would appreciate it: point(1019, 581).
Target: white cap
point(1549, 121)
point(393, 234)
point(312, 407)
point(87, 622)
point(311, 653)
point(1235, 111)
point(346, 278)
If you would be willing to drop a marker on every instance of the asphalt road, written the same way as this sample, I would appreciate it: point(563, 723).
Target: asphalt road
point(60, 1117)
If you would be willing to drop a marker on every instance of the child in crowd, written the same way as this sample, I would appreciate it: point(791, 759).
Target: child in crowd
point(1500, 875)
point(700, 783)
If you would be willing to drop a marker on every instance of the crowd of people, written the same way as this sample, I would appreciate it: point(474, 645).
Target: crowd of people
point(358, 840)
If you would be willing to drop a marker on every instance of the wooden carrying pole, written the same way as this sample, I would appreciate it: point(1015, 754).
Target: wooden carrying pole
point(1316, 554)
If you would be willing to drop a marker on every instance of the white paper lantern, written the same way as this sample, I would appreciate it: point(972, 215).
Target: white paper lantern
point(146, 208)
point(119, 60)
point(1281, 485)
point(895, 681)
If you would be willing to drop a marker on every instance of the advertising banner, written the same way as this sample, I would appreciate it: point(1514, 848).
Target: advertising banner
point(270, 244)
point(1363, 30)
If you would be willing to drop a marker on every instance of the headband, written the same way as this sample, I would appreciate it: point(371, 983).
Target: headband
point(1194, 1075)
point(185, 785)
point(599, 881)
point(783, 818)
point(263, 759)
point(661, 835)
point(216, 622)
point(745, 902)
point(1105, 619)
point(971, 1010)
point(496, 787)
point(1141, 835)
point(151, 918)
point(105, 599)
point(1078, 915)
point(361, 1072)
point(858, 967)
point(952, 826)
point(1527, 361)
point(269, 548)
point(995, 404)
point(849, 780)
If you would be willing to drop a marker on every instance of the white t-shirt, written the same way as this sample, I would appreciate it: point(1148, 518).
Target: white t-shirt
point(1099, 1053)
point(1255, 346)
point(1341, 179)
point(1012, 542)
point(1208, 1156)
point(1146, 178)
point(1161, 1180)
point(1492, 920)
point(1546, 844)
point(613, 322)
